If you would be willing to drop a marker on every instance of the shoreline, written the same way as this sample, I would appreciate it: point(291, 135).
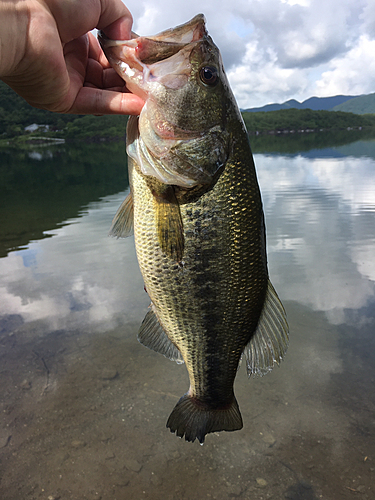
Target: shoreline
point(30, 142)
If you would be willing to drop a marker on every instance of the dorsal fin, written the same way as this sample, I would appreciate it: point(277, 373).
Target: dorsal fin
point(152, 335)
point(270, 342)
point(123, 221)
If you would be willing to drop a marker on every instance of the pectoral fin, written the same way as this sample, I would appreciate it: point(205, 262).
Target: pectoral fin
point(123, 221)
point(270, 342)
point(169, 223)
point(152, 335)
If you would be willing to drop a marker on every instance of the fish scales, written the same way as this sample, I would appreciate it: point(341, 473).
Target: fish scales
point(213, 291)
point(198, 224)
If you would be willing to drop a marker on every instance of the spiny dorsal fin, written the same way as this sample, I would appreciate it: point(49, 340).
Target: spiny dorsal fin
point(152, 335)
point(123, 221)
point(169, 223)
point(270, 342)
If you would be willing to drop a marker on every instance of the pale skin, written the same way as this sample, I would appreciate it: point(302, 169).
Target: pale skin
point(50, 58)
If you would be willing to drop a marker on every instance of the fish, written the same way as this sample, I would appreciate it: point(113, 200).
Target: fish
point(196, 213)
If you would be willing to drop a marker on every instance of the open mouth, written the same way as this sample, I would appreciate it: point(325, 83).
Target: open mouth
point(137, 60)
point(156, 48)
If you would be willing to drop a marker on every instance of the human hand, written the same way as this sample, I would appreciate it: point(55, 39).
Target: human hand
point(48, 57)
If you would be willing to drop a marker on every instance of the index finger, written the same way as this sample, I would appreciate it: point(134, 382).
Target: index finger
point(96, 52)
point(74, 18)
point(115, 25)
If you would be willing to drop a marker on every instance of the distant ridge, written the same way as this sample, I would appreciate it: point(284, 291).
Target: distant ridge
point(360, 105)
point(314, 103)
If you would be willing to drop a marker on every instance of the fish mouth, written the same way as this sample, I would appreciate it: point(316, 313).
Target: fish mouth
point(142, 61)
point(163, 70)
point(152, 49)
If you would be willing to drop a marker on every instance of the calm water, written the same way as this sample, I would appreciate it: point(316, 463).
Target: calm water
point(83, 406)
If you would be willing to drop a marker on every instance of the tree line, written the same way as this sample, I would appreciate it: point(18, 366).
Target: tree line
point(16, 114)
point(304, 119)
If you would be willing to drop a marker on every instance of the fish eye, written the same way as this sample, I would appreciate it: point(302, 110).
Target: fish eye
point(208, 75)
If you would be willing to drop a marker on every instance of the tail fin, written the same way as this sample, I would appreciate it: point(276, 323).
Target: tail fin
point(191, 419)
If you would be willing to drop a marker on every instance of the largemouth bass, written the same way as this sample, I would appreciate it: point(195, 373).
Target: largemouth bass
point(196, 211)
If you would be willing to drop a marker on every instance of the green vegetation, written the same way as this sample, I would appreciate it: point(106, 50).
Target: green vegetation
point(16, 114)
point(41, 188)
point(297, 143)
point(304, 119)
point(360, 105)
point(96, 127)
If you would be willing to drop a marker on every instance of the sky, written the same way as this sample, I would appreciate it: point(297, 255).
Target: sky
point(276, 50)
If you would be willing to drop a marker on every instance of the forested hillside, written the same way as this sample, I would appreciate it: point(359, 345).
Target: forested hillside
point(16, 114)
point(360, 105)
point(303, 119)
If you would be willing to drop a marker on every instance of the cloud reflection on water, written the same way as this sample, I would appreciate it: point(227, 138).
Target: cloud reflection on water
point(320, 231)
point(320, 234)
point(77, 277)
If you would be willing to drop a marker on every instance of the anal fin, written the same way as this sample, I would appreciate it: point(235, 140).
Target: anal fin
point(152, 335)
point(270, 342)
point(123, 222)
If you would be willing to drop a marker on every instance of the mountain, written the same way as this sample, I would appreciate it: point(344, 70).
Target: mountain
point(325, 103)
point(314, 103)
point(359, 105)
point(292, 103)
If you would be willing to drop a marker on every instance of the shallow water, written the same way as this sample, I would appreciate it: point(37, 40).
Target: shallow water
point(84, 405)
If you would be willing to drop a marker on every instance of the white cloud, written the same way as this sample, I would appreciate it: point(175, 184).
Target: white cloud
point(276, 50)
point(353, 73)
point(148, 22)
point(258, 76)
point(368, 18)
point(303, 3)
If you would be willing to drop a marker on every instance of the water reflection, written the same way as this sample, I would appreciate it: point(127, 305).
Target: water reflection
point(320, 215)
point(76, 276)
point(84, 405)
point(40, 190)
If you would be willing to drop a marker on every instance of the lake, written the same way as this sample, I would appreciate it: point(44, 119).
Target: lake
point(84, 405)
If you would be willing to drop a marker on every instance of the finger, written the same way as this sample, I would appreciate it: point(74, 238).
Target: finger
point(95, 101)
point(76, 17)
point(112, 89)
point(94, 73)
point(112, 79)
point(102, 79)
point(75, 54)
point(117, 27)
point(95, 50)
point(120, 29)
